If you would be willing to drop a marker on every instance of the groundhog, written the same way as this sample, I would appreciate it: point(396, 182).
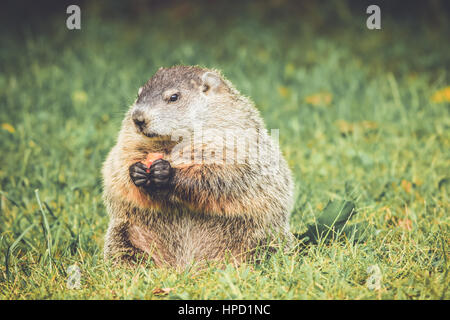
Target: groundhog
point(186, 208)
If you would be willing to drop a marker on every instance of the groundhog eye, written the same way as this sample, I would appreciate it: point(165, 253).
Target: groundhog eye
point(173, 97)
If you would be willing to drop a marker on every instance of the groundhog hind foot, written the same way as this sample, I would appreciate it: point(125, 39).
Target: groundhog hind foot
point(129, 260)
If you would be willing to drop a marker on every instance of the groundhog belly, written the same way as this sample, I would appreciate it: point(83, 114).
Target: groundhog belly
point(178, 240)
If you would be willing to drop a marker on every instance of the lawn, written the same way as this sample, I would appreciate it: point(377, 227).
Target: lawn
point(355, 107)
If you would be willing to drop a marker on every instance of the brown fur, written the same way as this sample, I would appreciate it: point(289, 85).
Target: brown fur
point(210, 210)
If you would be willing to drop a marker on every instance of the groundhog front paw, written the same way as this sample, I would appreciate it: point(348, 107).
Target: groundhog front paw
point(160, 173)
point(139, 175)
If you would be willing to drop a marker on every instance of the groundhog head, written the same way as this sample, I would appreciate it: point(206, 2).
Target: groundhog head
point(180, 98)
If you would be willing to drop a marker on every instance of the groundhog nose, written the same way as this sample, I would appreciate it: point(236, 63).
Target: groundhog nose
point(138, 119)
point(139, 122)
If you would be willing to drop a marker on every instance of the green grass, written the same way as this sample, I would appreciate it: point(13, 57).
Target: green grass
point(64, 93)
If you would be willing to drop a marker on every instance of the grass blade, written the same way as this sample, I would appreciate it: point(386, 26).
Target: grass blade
point(46, 226)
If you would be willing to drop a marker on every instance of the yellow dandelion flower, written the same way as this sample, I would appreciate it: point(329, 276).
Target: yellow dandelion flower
point(406, 185)
point(321, 98)
point(344, 126)
point(283, 91)
point(349, 127)
point(8, 127)
point(441, 96)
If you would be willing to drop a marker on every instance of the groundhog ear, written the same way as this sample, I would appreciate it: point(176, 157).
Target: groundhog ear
point(211, 82)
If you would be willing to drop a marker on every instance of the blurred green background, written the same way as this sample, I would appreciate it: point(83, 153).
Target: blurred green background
point(359, 107)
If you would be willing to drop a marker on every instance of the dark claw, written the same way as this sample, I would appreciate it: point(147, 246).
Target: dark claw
point(140, 167)
point(139, 175)
point(142, 182)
